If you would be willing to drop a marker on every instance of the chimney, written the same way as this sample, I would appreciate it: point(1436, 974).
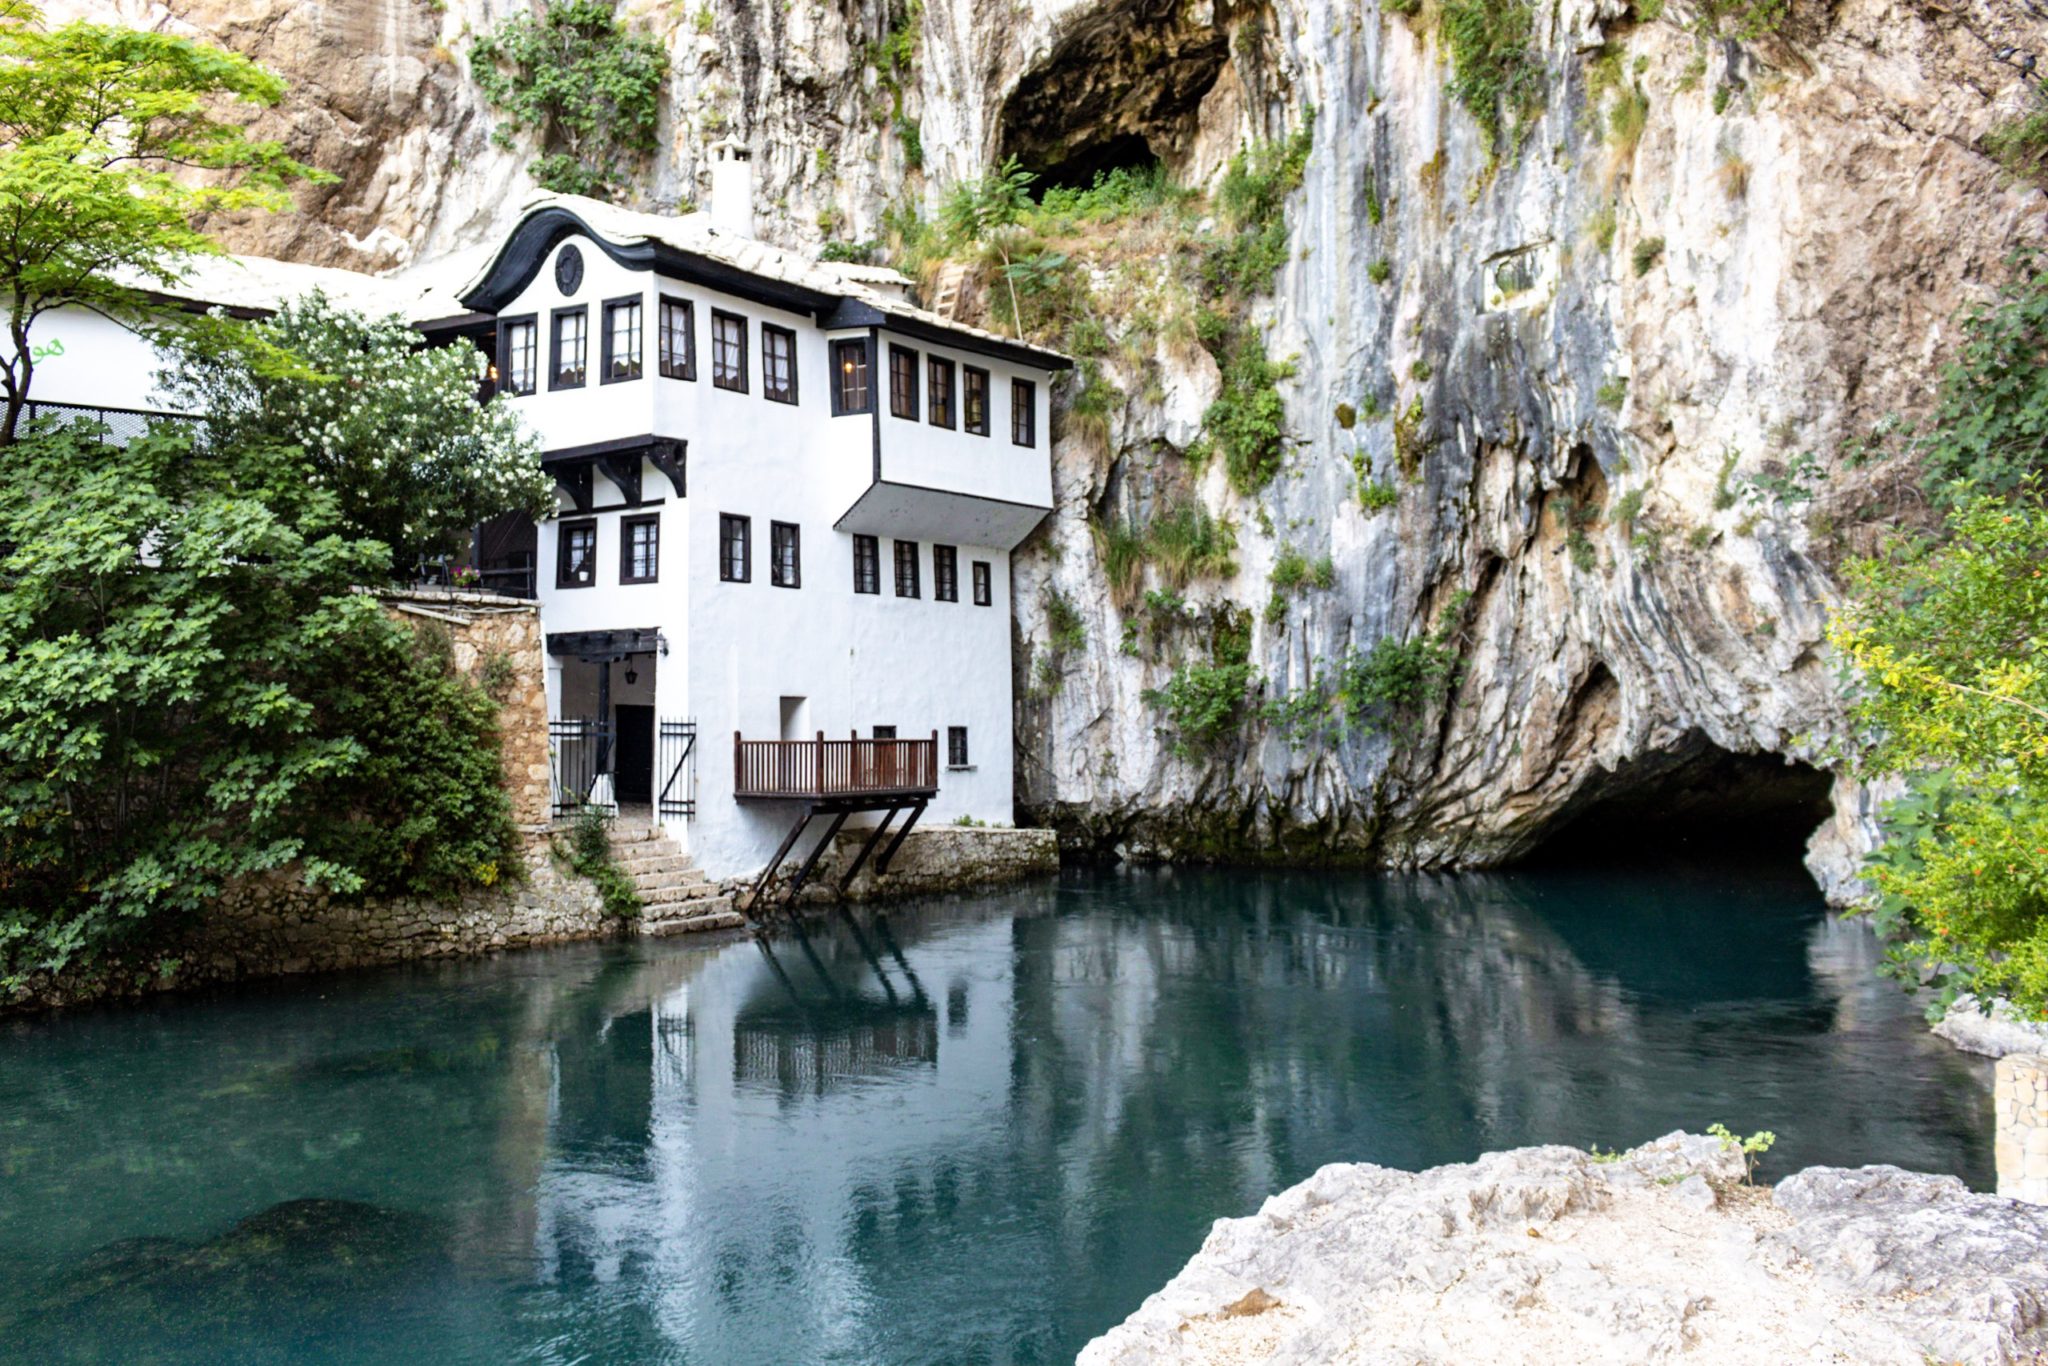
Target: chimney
point(732, 188)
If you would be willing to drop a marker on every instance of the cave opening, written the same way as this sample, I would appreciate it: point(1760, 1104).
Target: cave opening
point(1694, 803)
point(1079, 167)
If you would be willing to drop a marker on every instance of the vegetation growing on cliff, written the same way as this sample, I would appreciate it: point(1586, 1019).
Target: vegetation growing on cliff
point(1990, 428)
point(1496, 74)
point(587, 87)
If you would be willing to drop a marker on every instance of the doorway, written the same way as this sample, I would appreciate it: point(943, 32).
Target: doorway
point(634, 771)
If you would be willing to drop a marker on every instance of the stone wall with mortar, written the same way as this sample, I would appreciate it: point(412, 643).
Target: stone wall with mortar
point(2020, 1097)
point(949, 858)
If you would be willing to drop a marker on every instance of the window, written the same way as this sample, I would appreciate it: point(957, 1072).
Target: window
point(678, 339)
point(906, 569)
point(1023, 412)
point(945, 574)
point(621, 341)
point(729, 351)
point(941, 385)
point(571, 347)
point(984, 595)
point(849, 377)
point(867, 565)
point(956, 747)
point(975, 400)
point(639, 549)
point(519, 356)
point(884, 732)
point(735, 549)
point(576, 555)
point(785, 556)
point(902, 382)
point(778, 364)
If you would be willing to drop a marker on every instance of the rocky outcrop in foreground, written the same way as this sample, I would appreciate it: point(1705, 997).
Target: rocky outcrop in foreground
point(1555, 1255)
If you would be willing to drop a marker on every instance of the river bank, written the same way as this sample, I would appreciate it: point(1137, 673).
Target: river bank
point(1555, 1255)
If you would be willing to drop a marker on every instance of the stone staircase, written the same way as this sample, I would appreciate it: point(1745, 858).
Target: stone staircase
point(675, 897)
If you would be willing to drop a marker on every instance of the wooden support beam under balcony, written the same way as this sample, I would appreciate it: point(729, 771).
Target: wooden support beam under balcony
point(858, 774)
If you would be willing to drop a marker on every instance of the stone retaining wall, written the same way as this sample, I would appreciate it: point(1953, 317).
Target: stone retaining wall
point(945, 858)
point(2020, 1099)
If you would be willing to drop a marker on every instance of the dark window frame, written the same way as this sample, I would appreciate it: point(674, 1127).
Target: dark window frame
point(562, 540)
point(671, 368)
point(607, 355)
point(1023, 413)
point(796, 557)
point(956, 748)
point(775, 332)
point(945, 573)
point(839, 348)
point(938, 414)
point(627, 526)
point(900, 562)
point(505, 327)
point(719, 315)
point(735, 529)
point(871, 580)
point(581, 312)
point(903, 395)
point(968, 375)
point(984, 577)
point(882, 733)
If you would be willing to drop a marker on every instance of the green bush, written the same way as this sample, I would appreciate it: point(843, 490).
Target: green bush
point(1248, 420)
point(1990, 426)
point(1391, 687)
point(1613, 390)
point(590, 856)
point(1497, 75)
point(1204, 703)
point(1380, 271)
point(2020, 145)
point(1646, 254)
point(1066, 632)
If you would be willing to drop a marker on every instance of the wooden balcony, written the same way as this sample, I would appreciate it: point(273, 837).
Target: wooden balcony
point(824, 770)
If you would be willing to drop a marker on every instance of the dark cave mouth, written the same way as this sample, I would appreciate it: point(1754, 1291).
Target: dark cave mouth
point(1695, 803)
point(1079, 168)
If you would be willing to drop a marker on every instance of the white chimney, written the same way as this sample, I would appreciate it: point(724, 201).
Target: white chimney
point(732, 188)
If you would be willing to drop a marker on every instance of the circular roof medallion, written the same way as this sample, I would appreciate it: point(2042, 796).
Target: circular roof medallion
point(569, 270)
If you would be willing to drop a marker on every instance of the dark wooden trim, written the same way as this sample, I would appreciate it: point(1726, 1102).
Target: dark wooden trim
point(663, 303)
point(916, 568)
point(746, 529)
point(775, 561)
point(626, 525)
point(934, 367)
point(910, 399)
point(834, 770)
point(623, 469)
point(836, 384)
point(983, 576)
point(939, 589)
point(968, 373)
point(726, 315)
point(505, 352)
point(575, 480)
point(555, 316)
point(875, 406)
point(874, 546)
point(562, 530)
point(1031, 407)
point(604, 374)
point(789, 334)
point(599, 647)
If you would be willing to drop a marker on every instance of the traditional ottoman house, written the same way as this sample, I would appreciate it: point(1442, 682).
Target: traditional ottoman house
point(776, 590)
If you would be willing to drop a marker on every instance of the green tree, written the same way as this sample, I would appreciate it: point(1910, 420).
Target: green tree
point(101, 130)
point(985, 212)
point(579, 79)
point(1990, 429)
point(392, 428)
point(191, 691)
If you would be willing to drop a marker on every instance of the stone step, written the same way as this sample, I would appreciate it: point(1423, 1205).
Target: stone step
point(636, 833)
point(638, 865)
point(674, 893)
point(711, 920)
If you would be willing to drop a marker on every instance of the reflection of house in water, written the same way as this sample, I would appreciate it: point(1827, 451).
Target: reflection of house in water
point(807, 1028)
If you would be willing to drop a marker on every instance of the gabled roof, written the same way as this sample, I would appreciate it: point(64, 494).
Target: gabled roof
point(258, 285)
point(688, 247)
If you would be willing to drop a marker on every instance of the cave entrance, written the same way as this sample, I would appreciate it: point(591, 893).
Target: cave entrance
point(1078, 169)
point(1693, 803)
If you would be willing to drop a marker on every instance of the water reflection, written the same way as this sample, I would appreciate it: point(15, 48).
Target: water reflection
point(974, 1131)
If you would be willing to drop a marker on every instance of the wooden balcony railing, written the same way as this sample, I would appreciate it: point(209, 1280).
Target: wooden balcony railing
point(821, 768)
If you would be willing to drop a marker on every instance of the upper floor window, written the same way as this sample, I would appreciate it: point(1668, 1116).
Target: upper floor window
point(778, 363)
point(956, 747)
point(735, 548)
point(906, 569)
point(867, 565)
point(941, 385)
point(983, 590)
point(570, 349)
point(576, 555)
point(785, 555)
point(945, 574)
point(849, 377)
point(1023, 412)
point(729, 351)
point(621, 341)
point(903, 382)
point(678, 339)
point(974, 400)
point(639, 549)
point(519, 356)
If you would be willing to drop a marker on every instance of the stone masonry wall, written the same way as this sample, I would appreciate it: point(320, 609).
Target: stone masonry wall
point(2021, 1101)
point(948, 858)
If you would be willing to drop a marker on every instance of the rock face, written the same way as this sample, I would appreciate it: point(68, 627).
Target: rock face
point(1547, 1255)
point(1601, 348)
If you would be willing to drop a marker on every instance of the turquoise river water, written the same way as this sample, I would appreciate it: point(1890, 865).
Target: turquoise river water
point(978, 1130)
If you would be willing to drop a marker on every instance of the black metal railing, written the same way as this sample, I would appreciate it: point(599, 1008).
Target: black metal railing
point(580, 752)
point(675, 764)
point(122, 424)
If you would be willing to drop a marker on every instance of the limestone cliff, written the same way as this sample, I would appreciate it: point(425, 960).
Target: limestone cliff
point(1587, 362)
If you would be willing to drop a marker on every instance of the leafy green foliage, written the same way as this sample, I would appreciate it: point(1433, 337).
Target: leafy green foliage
point(1248, 420)
point(1647, 253)
point(2020, 144)
point(1990, 427)
point(1613, 390)
point(1496, 74)
point(1746, 20)
point(1380, 271)
point(1391, 687)
point(1751, 1148)
point(590, 856)
point(192, 692)
point(392, 428)
point(575, 76)
point(1114, 194)
point(100, 128)
point(1066, 632)
point(1205, 702)
point(1251, 206)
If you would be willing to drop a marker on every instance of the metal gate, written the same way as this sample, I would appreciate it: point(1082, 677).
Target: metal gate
point(580, 754)
point(675, 768)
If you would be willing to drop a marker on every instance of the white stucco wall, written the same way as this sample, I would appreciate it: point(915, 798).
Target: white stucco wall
point(992, 466)
point(80, 357)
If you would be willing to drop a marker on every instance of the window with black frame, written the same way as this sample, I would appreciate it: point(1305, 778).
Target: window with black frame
point(956, 747)
point(576, 555)
point(678, 339)
point(621, 340)
point(906, 569)
point(639, 549)
point(735, 548)
point(850, 377)
point(903, 382)
point(729, 351)
point(984, 594)
point(1023, 412)
point(945, 574)
point(867, 565)
point(939, 383)
point(569, 353)
point(778, 364)
point(785, 555)
point(519, 356)
point(974, 400)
